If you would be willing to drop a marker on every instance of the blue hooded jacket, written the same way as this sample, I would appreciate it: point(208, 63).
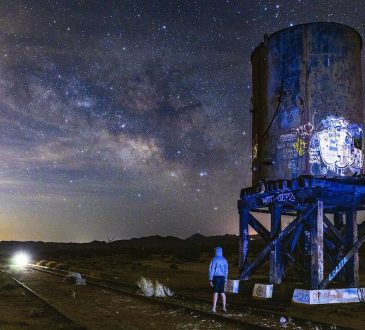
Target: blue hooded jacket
point(219, 265)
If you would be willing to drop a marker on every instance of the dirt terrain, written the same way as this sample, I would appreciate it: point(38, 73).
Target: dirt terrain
point(178, 269)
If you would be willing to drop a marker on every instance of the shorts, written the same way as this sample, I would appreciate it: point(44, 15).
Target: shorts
point(218, 284)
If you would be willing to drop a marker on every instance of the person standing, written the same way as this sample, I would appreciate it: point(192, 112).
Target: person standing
point(218, 274)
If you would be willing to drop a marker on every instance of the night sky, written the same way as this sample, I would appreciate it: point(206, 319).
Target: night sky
point(123, 119)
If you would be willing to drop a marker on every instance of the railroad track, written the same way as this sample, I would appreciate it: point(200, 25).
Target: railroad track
point(72, 324)
point(223, 319)
point(266, 317)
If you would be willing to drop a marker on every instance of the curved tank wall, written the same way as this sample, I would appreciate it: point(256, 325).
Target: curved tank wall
point(307, 115)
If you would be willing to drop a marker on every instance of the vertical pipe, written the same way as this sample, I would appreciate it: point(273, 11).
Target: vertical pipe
point(276, 263)
point(352, 267)
point(317, 247)
point(243, 253)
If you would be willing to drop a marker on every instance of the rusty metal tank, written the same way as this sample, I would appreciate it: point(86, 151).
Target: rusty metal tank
point(307, 112)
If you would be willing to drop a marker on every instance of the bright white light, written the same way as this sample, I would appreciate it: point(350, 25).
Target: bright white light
point(21, 259)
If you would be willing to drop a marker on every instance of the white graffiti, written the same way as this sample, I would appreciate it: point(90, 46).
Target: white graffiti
point(290, 137)
point(337, 269)
point(336, 147)
point(289, 153)
point(314, 156)
point(283, 198)
point(304, 130)
point(292, 164)
point(245, 242)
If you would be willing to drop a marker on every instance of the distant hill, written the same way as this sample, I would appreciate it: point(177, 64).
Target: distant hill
point(188, 248)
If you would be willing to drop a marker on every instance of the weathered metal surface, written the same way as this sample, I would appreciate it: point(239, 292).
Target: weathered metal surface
point(243, 247)
point(317, 262)
point(311, 237)
point(276, 260)
point(352, 267)
point(343, 262)
point(307, 103)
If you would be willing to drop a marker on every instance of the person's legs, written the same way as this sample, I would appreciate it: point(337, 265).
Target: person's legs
point(223, 295)
point(215, 298)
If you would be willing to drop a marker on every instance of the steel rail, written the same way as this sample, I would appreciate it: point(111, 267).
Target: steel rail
point(168, 303)
point(110, 285)
point(46, 302)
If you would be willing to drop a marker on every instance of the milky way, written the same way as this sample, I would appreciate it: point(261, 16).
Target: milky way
point(122, 119)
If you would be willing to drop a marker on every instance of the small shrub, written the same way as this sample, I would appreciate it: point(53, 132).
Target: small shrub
point(157, 290)
point(146, 287)
point(61, 266)
point(41, 263)
point(51, 264)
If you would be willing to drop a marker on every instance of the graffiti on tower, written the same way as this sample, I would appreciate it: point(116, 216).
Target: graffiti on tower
point(336, 148)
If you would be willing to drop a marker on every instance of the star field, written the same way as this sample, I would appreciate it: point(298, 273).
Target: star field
point(132, 118)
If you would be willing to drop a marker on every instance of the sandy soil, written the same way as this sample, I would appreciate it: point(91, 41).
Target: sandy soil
point(181, 275)
point(21, 310)
point(191, 277)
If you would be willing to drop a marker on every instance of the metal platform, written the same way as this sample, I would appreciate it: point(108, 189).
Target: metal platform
point(311, 241)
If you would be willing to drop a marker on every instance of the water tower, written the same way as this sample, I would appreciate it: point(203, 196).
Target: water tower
point(307, 103)
point(307, 155)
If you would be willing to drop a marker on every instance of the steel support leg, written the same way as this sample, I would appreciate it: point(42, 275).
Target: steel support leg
point(244, 239)
point(276, 262)
point(317, 247)
point(352, 267)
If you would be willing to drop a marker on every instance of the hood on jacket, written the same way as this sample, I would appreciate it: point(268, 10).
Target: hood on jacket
point(218, 251)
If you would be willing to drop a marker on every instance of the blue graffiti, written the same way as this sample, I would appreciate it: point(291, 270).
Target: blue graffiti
point(332, 275)
point(290, 117)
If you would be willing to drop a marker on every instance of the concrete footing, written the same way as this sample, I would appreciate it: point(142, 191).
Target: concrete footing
point(329, 296)
point(262, 290)
point(232, 286)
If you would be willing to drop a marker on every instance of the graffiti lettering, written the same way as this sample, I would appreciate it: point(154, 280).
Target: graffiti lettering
point(291, 137)
point(314, 156)
point(332, 275)
point(329, 296)
point(286, 146)
point(286, 197)
point(282, 198)
point(289, 153)
point(301, 296)
point(245, 243)
point(304, 130)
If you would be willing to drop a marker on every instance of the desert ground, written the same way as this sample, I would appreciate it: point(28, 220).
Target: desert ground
point(179, 264)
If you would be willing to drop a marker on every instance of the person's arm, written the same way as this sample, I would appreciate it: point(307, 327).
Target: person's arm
point(226, 272)
point(211, 270)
